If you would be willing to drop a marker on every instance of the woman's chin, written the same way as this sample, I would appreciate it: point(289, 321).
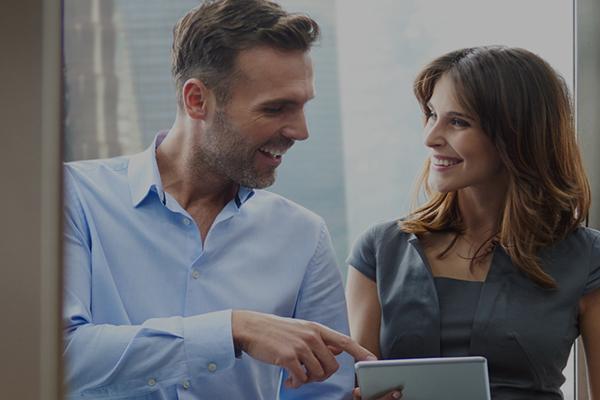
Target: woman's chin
point(441, 187)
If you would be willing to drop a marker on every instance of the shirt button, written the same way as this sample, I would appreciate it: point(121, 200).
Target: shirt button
point(196, 275)
point(186, 384)
point(186, 221)
point(151, 382)
point(212, 367)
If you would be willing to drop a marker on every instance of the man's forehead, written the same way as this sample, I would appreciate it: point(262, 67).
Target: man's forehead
point(262, 60)
point(274, 75)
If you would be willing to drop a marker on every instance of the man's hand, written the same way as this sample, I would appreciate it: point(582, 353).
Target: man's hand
point(305, 349)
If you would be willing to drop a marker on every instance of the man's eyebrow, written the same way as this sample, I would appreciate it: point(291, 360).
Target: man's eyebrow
point(278, 102)
point(282, 102)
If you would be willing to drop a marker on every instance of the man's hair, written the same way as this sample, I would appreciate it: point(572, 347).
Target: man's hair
point(524, 106)
point(208, 39)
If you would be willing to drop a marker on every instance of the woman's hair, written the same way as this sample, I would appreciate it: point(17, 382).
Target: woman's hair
point(524, 106)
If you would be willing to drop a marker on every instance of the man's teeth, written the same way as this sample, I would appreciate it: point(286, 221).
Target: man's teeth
point(274, 152)
point(445, 163)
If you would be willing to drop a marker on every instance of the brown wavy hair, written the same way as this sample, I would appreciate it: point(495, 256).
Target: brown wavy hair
point(524, 106)
point(208, 39)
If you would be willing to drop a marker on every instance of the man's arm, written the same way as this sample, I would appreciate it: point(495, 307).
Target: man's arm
point(321, 299)
point(119, 359)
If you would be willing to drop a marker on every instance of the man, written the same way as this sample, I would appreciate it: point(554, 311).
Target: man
point(175, 265)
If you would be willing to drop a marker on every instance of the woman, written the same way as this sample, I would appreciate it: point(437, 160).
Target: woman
point(495, 262)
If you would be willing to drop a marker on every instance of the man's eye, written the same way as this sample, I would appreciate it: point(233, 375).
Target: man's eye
point(272, 110)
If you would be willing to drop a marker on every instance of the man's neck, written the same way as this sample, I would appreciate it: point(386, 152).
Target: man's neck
point(201, 193)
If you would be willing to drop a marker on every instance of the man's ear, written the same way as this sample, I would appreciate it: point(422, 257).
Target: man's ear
point(197, 99)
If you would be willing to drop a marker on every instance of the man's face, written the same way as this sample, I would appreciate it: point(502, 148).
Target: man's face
point(246, 139)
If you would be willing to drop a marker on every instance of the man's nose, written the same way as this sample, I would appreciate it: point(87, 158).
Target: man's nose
point(296, 129)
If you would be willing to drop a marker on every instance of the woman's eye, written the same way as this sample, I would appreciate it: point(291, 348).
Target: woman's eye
point(430, 115)
point(460, 123)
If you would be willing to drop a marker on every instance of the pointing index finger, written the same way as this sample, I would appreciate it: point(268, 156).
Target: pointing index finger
point(346, 343)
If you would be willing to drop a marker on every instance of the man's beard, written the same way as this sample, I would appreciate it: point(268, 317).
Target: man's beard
point(225, 153)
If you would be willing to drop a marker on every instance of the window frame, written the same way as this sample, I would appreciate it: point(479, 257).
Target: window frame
point(587, 111)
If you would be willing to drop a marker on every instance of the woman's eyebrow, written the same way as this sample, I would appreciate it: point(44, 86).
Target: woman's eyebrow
point(452, 113)
point(460, 115)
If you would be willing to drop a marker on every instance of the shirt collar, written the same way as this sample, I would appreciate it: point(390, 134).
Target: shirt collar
point(143, 173)
point(144, 177)
point(243, 195)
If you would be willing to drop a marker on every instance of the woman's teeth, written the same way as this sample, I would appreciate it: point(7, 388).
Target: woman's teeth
point(444, 162)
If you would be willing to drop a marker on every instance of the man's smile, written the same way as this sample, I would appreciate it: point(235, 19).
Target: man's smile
point(273, 153)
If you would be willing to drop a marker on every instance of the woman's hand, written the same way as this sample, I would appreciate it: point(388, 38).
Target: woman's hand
point(393, 395)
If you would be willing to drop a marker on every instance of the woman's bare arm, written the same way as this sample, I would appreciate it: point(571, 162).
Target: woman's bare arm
point(589, 323)
point(364, 311)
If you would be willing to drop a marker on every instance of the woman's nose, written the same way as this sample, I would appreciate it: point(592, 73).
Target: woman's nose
point(433, 134)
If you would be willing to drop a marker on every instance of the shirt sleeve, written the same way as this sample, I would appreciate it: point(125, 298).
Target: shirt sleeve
point(322, 300)
point(593, 281)
point(362, 257)
point(104, 360)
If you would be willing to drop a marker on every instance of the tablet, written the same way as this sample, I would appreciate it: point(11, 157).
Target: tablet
point(448, 378)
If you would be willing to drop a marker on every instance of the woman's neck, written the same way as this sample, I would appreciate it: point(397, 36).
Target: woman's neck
point(481, 211)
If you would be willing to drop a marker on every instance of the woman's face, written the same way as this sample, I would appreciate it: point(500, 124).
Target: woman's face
point(461, 154)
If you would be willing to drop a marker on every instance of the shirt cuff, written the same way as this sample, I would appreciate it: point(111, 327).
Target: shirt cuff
point(209, 342)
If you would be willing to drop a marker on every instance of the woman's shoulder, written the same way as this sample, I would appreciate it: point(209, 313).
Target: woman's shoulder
point(386, 228)
point(378, 247)
point(384, 235)
point(586, 232)
point(582, 247)
point(580, 238)
point(575, 259)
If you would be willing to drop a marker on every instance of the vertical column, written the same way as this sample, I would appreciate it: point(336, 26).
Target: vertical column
point(587, 105)
point(30, 122)
point(587, 94)
point(51, 344)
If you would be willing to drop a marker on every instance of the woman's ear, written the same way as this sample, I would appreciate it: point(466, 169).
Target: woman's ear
point(197, 99)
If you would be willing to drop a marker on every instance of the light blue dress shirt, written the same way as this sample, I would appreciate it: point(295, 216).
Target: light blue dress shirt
point(147, 307)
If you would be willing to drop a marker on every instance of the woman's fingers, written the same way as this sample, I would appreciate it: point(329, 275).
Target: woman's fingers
point(393, 395)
